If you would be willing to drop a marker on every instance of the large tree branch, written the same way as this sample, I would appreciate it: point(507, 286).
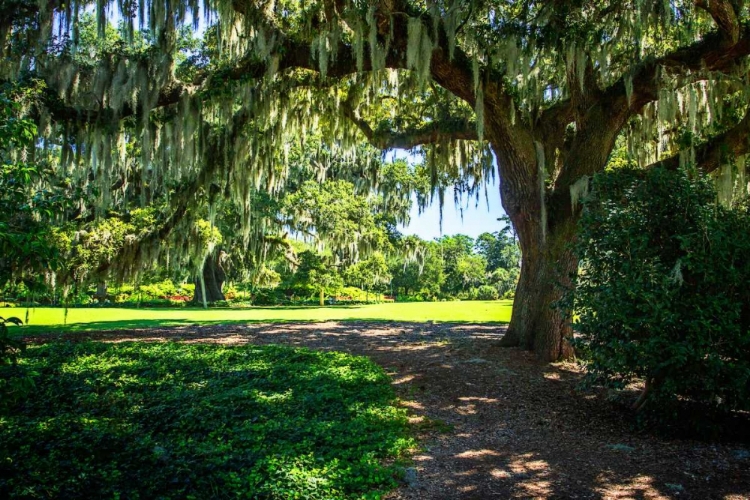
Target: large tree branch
point(292, 55)
point(725, 16)
point(712, 54)
point(717, 151)
point(707, 54)
point(452, 73)
point(616, 104)
point(135, 253)
point(432, 133)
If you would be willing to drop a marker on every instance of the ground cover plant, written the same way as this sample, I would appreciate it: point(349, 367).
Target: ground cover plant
point(172, 420)
point(51, 320)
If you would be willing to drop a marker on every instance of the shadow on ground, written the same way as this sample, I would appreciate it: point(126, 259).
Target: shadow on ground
point(150, 324)
point(495, 423)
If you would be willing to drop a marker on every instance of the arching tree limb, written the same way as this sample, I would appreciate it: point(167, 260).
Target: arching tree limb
point(432, 133)
point(724, 14)
point(718, 150)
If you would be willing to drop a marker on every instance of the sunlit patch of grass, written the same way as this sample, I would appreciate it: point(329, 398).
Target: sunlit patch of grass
point(54, 320)
point(169, 420)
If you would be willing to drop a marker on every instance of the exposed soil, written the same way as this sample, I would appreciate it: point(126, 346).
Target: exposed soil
point(494, 423)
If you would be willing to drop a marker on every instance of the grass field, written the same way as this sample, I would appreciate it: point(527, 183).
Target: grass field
point(47, 319)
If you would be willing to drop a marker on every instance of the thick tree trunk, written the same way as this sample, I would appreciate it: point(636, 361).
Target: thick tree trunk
point(213, 276)
point(101, 291)
point(322, 298)
point(545, 234)
point(538, 322)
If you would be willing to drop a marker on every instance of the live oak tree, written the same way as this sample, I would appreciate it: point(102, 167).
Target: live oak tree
point(546, 87)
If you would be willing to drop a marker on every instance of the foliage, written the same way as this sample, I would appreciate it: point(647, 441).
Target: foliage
point(14, 384)
point(662, 293)
point(185, 421)
point(463, 269)
point(500, 250)
point(505, 280)
point(369, 274)
point(338, 216)
point(356, 295)
point(458, 266)
point(269, 297)
point(10, 349)
point(317, 273)
point(27, 204)
point(425, 278)
point(487, 292)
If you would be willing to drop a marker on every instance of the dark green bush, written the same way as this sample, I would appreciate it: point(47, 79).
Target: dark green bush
point(662, 295)
point(14, 382)
point(10, 348)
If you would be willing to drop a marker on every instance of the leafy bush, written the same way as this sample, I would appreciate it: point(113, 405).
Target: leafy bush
point(170, 420)
point(487, 292)
point(162, 293)
point(662, 294)
point(10, 348)
point(269, 297)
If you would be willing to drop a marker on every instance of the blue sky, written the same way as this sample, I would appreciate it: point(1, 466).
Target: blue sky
point(477, 218)
point(471, 217)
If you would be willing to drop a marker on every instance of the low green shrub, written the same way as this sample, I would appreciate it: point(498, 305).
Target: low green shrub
point(159, 294)
point(487, 292)
point(170, 420)
point(662, 295)
point(269, 297)
point(10, 348)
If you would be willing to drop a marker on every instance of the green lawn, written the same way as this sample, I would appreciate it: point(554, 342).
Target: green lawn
point(169, 420)
point(46, 319)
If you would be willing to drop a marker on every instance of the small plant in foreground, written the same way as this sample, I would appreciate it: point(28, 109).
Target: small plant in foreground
point(10, 349)
point(14, 384)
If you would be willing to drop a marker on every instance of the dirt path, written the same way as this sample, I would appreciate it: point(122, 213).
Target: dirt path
point(496, 424)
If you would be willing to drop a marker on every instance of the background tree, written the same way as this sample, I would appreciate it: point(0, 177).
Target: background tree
point(422, 278)
point(319, 273)
point(503, 257)
point(369, 274)
point(29, 204)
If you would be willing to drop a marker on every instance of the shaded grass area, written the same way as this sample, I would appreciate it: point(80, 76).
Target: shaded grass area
point(49, 319)
point(171, 420)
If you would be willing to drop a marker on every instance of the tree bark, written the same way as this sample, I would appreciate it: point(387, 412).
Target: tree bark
point(101, 291)
point(213, 276)
point(545, 234)
point(322, 298)
point(538, 323)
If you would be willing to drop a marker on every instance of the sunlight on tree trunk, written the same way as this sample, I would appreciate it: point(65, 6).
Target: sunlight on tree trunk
point(203, 290)
point(209, 284)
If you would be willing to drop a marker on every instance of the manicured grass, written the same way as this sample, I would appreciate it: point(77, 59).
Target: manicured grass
point(169, 420)
point(45, 319)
